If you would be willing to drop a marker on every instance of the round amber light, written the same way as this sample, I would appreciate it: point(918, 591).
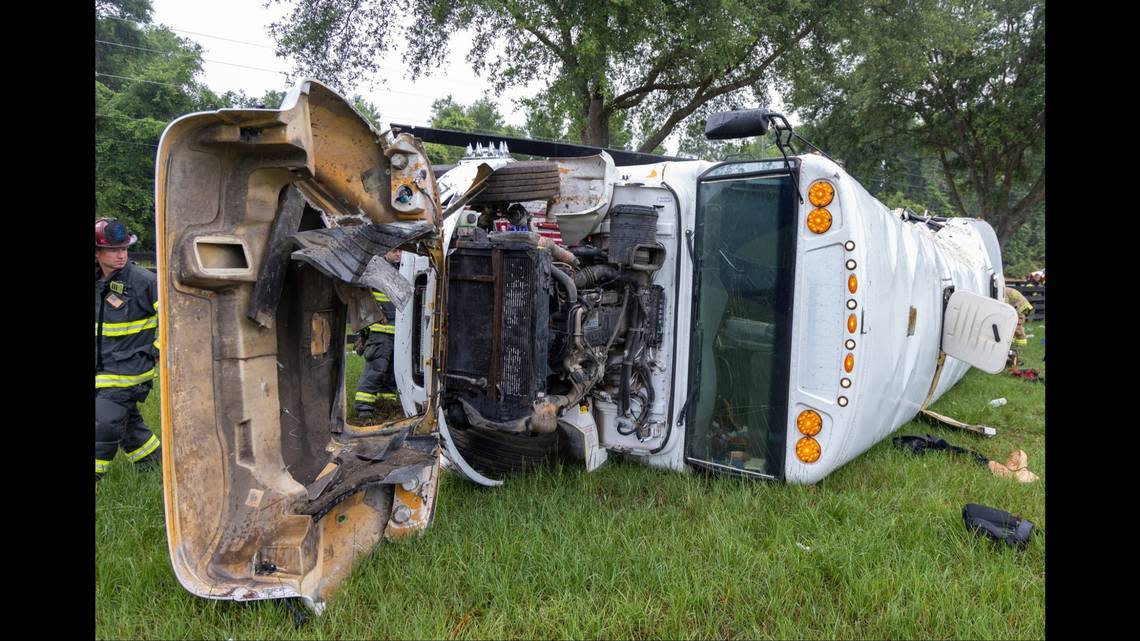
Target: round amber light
point(820, 193)
point(852, 283)
point(819, 221)
point(849, 363)
point(807, 449)
point(852, 323)
point(809, 422)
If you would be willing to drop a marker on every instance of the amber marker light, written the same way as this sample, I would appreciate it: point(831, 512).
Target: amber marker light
point(807, 449)
point(819, 221)
point(852, 323)
point(849, 363)
point(820, 193)
point(852, 283)
point(809, 422)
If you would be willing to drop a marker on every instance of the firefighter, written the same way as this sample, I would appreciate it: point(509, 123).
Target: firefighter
point(376, 343)
point(1024, 308)
point(126, 346)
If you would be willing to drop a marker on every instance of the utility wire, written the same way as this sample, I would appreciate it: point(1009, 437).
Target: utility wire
point(127, 142)
point(204, 35)
point(171, 53)
point(253, 44)
point(151, 82)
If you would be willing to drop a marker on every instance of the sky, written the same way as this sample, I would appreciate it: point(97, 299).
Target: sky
point(238, 55)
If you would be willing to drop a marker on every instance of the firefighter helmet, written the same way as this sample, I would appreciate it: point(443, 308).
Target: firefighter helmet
point(110, 233)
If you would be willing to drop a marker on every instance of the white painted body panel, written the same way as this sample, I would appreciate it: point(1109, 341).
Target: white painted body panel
point(899, 265)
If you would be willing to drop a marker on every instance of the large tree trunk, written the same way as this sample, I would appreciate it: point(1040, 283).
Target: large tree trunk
point(597, 122)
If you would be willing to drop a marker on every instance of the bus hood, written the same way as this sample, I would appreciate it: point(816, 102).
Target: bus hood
point(271, 228)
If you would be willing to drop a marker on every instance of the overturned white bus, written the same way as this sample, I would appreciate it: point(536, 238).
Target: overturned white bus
point(766, 318)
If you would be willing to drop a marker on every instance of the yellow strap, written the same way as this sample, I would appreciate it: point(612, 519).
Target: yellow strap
point(145, 450)
point(122, 380)
point(383, 329)
point(934, 383)
point(130, 327)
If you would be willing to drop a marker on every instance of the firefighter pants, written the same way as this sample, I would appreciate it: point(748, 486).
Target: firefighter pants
point(378, 381)
point(1019, 331)
point(118, 423)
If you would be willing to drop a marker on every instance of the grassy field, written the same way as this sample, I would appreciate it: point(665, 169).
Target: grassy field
point(878, 549)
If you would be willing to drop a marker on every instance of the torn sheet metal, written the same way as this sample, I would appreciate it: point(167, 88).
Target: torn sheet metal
point(355, 255)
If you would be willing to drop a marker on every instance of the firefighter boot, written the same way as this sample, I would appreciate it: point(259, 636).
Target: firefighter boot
point(151, 461)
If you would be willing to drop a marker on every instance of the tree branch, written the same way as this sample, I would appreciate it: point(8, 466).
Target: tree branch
point(949, 174)
point(702, 96)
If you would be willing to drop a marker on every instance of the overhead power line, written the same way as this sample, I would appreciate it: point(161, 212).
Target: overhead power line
point(150, 82)
point(170, 53)
point(127, 142)
point(254, 44)
point(204, 35)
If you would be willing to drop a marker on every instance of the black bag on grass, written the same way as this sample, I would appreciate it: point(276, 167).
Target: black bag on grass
point(997, 525)
point(922, 444)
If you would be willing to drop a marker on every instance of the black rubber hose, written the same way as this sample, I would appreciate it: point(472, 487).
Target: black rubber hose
point(567, 284)
point(631, 347)
point(588, 251)
point(589, 277)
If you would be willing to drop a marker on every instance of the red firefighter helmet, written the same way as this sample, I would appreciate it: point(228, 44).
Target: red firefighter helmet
point(110, 233)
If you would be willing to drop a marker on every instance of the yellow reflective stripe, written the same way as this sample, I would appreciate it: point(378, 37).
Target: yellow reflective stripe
point(156, 306)
point(145, 450)
point(381, 297)
point(155, 343)
point(365, 397)
point(388, 396)
point(122, 380)
point(101, 466)
point(132, 327)
point(383, 329)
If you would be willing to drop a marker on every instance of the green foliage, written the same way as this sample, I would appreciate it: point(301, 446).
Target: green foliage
point(145, 78)
point(609, 67)
point(950, 87)
point(481, 116)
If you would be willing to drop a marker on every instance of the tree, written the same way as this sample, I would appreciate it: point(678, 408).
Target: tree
point(960, 83)
point(144, 78)
point(646, 64)
point(481, 116)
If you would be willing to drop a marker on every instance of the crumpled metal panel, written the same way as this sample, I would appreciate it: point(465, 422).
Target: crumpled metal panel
point(355, 255)
point(242, 522)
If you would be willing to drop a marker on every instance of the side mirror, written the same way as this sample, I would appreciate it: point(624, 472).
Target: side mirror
point(741, 123)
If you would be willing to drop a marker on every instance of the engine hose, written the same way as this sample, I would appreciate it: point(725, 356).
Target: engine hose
point(589, 277)
point(588, 251)
point(567, 284)
point(632, 343)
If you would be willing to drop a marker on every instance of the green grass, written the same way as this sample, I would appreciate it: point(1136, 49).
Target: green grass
point(631, 552)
